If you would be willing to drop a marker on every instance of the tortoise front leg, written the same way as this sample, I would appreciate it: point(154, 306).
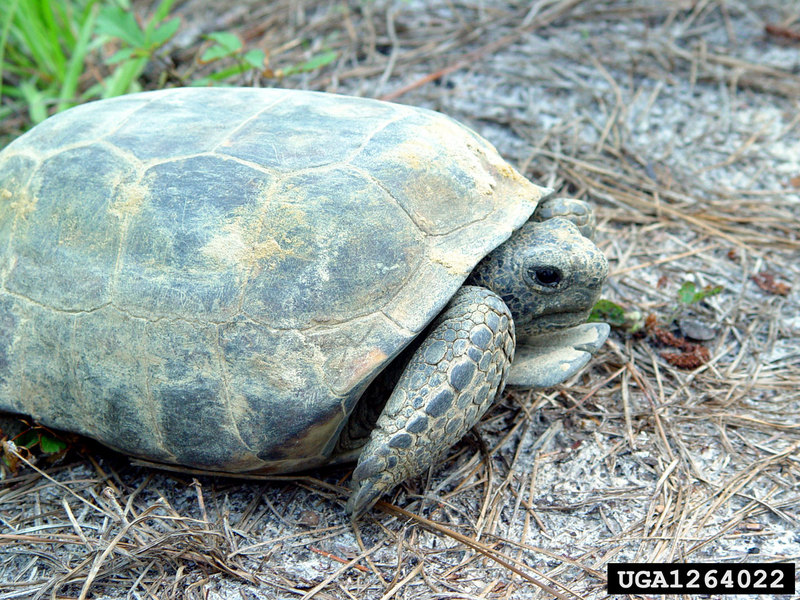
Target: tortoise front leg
point(447, 386)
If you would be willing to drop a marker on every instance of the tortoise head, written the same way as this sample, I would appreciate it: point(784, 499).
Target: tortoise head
point(547, 273)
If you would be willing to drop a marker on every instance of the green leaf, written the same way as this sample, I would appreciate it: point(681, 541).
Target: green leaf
point(116, 22)
point(689, 294)
point(164, 32)
point(120, 55)
point(27, 439)
point(255, 58)
point(709, 291)
point(214, 53)
point(226, 40)
point(608, 312)
point(231, 71)
point(162, 11)
point(315, 62)
point(686, 293)
point(225, 44)
point(51, 445)
point(201, 82)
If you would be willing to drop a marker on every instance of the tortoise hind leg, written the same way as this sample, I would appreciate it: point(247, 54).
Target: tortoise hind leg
point(447, 386)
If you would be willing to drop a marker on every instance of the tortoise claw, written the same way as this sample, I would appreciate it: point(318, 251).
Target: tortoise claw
point(362, 499)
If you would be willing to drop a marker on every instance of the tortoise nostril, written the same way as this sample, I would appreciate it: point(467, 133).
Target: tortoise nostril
point(546, 276)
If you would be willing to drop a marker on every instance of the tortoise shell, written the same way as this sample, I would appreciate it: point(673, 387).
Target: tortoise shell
point(212, 277)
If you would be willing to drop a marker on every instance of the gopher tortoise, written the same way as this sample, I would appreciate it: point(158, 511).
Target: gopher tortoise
point(266, 280)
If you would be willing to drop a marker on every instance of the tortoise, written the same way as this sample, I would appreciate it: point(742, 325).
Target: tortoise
point(268, 280)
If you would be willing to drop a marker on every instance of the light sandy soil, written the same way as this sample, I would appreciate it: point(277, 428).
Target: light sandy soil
point(680, 122)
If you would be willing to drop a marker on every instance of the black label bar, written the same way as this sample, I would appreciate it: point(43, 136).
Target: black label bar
point(701, 578)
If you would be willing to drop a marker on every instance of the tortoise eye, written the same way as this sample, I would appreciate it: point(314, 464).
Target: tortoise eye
point(545, 276)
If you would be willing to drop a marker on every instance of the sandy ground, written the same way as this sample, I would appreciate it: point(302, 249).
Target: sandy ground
point(680, 122)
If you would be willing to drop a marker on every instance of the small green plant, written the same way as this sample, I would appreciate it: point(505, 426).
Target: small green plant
point(47, 442)
point(312, 64)
point(229, 46)
point(140, 43)
point(689, 294)
point(632, 321)
point(22, 445)
point(606, 311)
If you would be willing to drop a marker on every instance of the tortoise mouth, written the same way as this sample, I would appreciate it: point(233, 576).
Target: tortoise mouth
point(551, 321)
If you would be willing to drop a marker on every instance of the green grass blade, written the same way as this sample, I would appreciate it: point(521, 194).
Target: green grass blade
point(3, 39)
point(63, 14)
point(31, 30)
point(124, 78)
point(51, 32)
point(76, 62)
point(35, 99)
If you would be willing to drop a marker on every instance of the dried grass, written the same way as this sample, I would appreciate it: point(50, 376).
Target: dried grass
point(679, 122)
